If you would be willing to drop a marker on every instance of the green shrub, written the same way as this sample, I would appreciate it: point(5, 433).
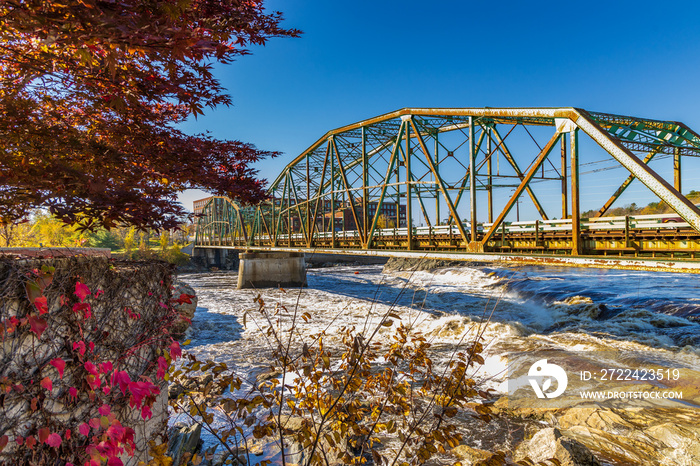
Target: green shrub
point(174, 255)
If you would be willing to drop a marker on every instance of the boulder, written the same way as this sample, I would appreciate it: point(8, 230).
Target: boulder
point(636, 436)
point(468, 455)
point(212, 457)
point(293, 423)
point(549, 443)
point(600, 419)
point(401, 264)
point(267, 375)
point(183, 439)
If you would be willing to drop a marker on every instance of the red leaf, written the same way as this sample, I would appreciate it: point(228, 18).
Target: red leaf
point(20, 440)
point(80, 346)
point(60, 365)
point(84, 429)
point(46, 383)
point(162, 367)
point(81, 291)
point(44, 434)
point(175, 351)
point(54, 440)
point(146, 412)
point(73, 392)
point(41, 305)
point(185, 298)
point(38, 325)
point(122, 378)
point(91, 368)
point(11, 324)
point(3, 442)
point(141, 390)
point(30, 442)
point(104, 410)
point(94, 382)
point(84, 307)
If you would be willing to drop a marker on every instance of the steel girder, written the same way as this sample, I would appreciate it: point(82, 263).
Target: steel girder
point(392, 169)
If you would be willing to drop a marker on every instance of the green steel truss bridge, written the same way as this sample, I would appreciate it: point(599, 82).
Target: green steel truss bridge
point(446, 183)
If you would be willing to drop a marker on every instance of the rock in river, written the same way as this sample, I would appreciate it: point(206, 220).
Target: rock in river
point(549, 443)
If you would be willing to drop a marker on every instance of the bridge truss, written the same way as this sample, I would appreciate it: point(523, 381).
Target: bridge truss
point(422, 179)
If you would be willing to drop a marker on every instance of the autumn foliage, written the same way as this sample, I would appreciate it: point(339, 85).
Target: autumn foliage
point(343, 397)
point(83, 365)
point(91, 93)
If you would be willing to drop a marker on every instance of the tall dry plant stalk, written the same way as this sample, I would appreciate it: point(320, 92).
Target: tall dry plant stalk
point(364, 402)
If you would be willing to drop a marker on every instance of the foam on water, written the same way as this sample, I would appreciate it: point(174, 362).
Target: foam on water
point(608, 305)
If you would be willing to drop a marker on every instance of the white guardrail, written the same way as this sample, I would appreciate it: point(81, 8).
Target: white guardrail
point(658, 221)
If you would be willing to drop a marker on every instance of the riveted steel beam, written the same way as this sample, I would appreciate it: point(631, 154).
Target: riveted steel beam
point(576, 243)
point(671, 196)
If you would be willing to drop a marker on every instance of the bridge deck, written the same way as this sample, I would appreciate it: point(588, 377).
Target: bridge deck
point(505, 260)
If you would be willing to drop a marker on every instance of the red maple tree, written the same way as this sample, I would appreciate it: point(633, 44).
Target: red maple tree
point(91, 92)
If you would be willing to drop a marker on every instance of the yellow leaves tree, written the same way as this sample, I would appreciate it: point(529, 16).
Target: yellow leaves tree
point(164, 240)
point(384, 222)
point(129, 241)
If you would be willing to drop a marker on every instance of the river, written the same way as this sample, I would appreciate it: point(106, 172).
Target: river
point(601, 323)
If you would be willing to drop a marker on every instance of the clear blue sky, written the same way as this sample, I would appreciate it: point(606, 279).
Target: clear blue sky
point(360, 59)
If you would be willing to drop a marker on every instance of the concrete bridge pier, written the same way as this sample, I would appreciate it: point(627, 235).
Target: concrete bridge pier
point(271, 269)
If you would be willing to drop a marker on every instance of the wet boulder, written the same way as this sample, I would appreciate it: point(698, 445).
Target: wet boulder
point(183, 439)
point(550, 443)
point(468, 455)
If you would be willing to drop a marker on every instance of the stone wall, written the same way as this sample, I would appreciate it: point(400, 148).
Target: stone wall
point(85, 342)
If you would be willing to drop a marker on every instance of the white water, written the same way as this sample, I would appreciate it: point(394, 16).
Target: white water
point(605, 318)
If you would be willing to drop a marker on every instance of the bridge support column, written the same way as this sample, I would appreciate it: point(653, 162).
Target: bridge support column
point(576, 246)
point(271, 269)
point(215, 257)
point(208, 256)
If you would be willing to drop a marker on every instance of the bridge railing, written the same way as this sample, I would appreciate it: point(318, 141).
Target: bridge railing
point(646, 222)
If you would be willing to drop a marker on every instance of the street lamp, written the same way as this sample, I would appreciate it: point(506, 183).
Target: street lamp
point(517, 208)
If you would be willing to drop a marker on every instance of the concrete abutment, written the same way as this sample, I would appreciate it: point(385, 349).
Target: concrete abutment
point(271, 269)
